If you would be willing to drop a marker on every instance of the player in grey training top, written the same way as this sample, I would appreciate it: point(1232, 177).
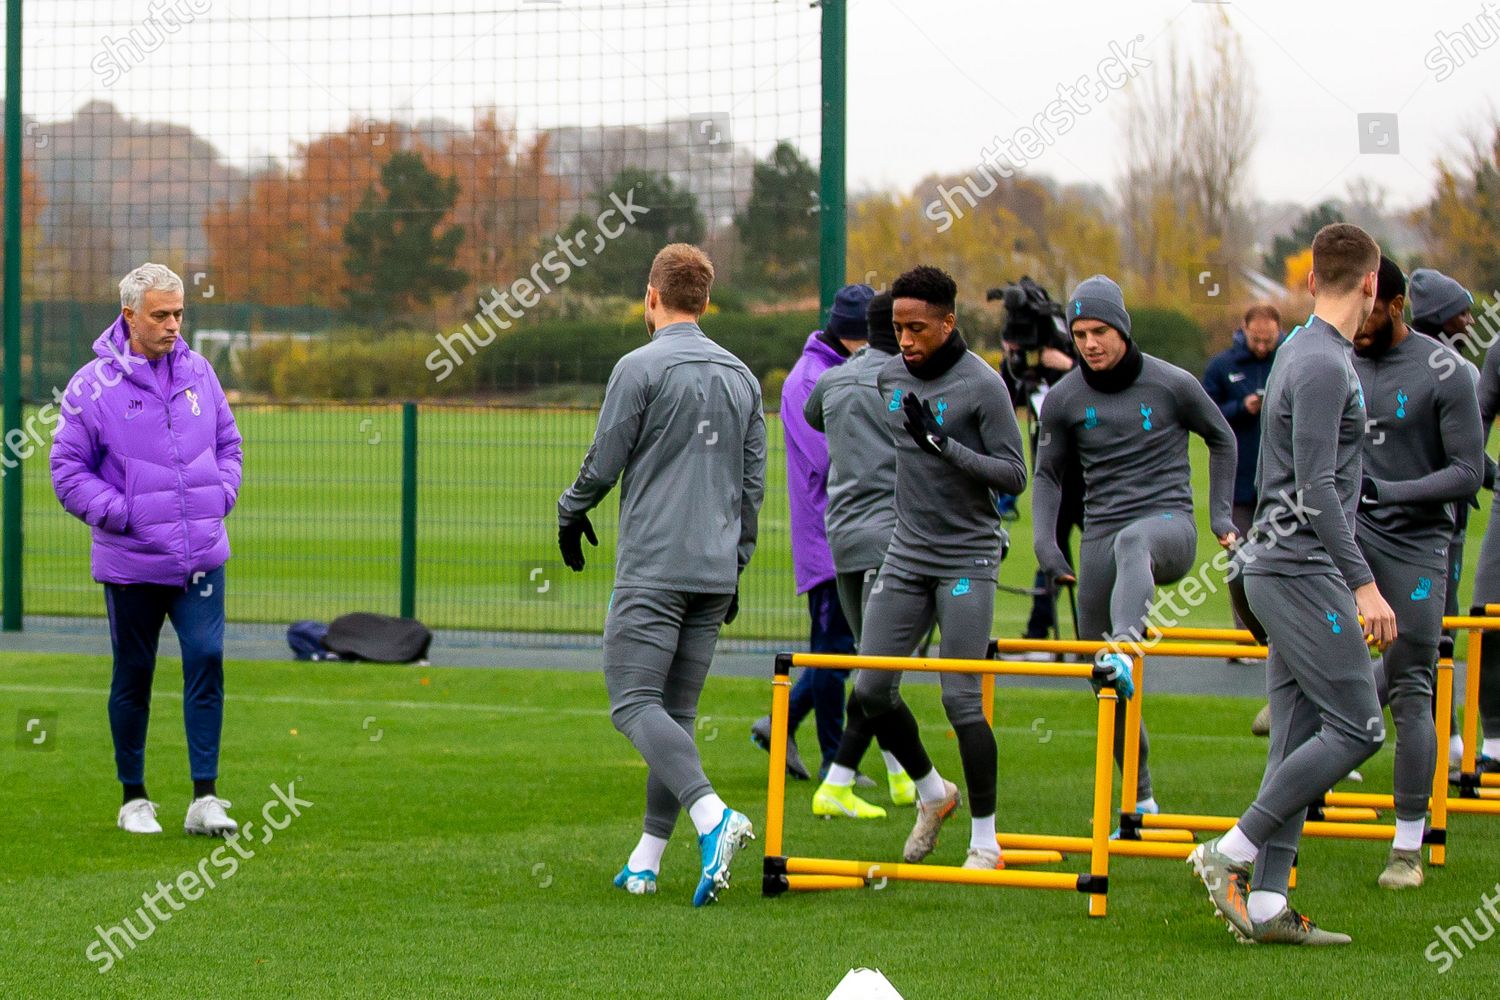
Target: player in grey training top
point(1125, 416)
point(957, 444)
point(1446, 308)
point(846, 406)
point(1422, 453)
point(1306, 581)
point(682, 428)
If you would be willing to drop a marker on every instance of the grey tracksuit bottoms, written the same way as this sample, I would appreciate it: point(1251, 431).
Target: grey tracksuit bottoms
point(900, 610)
point(658, 645)
point(1118, 574)
point(1407, 676)
point(1325, 713)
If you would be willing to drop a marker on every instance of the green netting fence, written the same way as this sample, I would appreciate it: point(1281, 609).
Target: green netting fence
point(318, 528)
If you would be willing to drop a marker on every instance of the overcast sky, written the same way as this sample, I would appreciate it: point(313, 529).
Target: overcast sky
point(931, 82)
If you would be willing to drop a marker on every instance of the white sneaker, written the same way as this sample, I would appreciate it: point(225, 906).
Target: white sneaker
point(206, 817)
point(138, 816)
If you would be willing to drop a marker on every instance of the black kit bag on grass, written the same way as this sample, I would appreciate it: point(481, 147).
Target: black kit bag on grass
point(379, 638)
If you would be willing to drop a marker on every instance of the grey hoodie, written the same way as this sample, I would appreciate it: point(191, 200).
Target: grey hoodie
point(682, 424)
point(1312, 432)
point(846, 406)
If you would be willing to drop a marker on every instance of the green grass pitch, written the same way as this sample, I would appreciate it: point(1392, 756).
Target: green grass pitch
point(465, 825)
point(317, 530)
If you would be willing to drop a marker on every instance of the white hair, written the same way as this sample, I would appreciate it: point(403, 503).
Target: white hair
point(147, 278)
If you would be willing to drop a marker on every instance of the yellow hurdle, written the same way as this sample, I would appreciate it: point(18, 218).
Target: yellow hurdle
point(782, 873)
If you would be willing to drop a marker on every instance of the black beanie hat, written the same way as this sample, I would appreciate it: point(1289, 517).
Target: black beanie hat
point(882, 325)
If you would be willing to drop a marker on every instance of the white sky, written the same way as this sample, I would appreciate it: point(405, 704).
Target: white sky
point(949, 75)
point(931, 82)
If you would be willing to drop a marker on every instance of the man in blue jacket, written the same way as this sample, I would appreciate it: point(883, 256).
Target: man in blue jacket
point(1236, 380)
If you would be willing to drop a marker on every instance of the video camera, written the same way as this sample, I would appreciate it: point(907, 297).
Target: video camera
point(1032, 322)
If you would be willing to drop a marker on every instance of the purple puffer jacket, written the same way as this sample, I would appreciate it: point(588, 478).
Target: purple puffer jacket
point(807, 467)
point(154, 476)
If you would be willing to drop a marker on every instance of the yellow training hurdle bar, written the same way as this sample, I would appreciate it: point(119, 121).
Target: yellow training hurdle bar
point(1478, 794)
point(782, 873)
point(1331, 816)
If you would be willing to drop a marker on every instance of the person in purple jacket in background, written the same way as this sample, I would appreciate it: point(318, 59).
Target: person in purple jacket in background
point(148, 456)
point(817, 691)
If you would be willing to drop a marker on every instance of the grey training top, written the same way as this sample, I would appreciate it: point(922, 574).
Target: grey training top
point(846, 405)
point(1312, 428)
point(1133, 446)
point(946, 521)
point(682, 422)
point(1423, 449)
point(1489, 388)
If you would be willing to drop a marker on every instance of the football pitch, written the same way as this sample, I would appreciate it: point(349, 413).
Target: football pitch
point(316, 532)
point(453, 832)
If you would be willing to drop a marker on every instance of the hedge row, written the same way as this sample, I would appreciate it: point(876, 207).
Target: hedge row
point(354, 365)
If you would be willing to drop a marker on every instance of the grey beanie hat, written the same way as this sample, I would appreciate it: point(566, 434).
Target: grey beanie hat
point(1435, 298)
point(1100, 298)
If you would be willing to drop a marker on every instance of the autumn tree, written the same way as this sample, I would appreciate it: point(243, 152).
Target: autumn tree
point(1289, 245)
point(1463, 215)
point(1189, 133)
point(619, 264)
point(778, 227)
point(1021, 226)
point(32, 202)
point(398, 260)
point(282, 242)
point(507, 198)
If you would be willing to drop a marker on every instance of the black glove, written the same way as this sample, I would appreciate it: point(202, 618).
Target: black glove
point(569, 544)
point(1369, 495)
point(733, 610)
point(923, 426)
point(1489, 473)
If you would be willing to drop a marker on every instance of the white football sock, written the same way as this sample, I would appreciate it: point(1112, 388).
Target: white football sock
point(982, 833)
point(1491, 748)
point(839, 775)
point(707, 813)
point(930, 788)
point(647, 854)
point(892, 765)
point(1237, 847)
point(1409, 834)
point(1455, 749)
point(1264, 905)
point(1147, 805)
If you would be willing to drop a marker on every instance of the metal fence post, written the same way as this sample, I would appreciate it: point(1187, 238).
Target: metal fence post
point(408, 510)
point(833, 236)
point(10, 505)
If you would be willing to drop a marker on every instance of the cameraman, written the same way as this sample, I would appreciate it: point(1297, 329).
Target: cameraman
point(1039, 352)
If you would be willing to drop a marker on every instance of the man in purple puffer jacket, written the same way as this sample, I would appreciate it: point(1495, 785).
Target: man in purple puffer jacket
point(147, 454)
